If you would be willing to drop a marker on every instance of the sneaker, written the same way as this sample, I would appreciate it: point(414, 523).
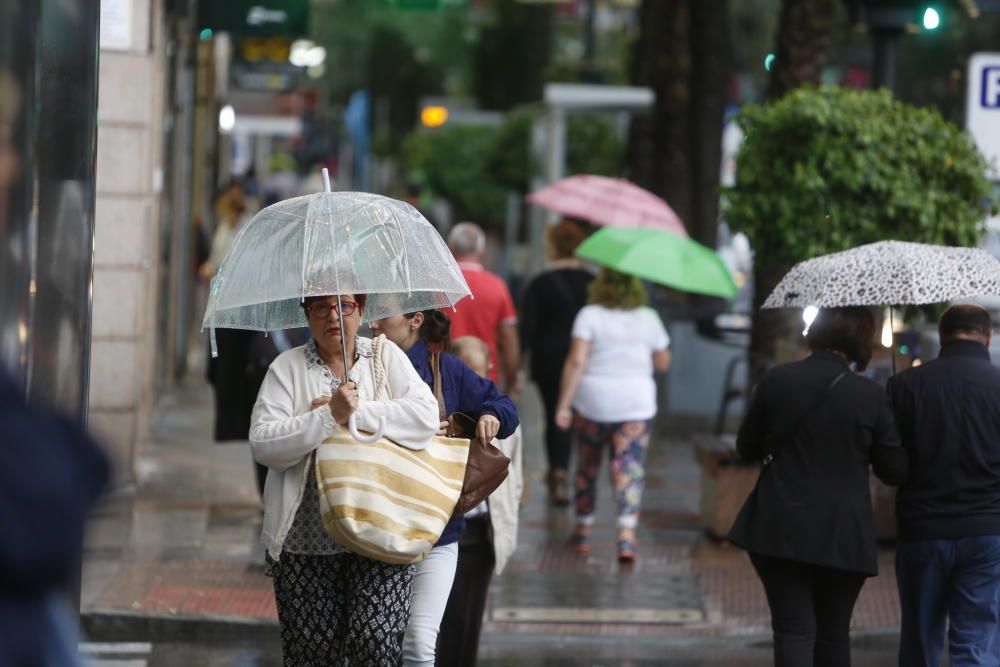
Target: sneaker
point(558, 495)
point(579, 540)
point(626, 551)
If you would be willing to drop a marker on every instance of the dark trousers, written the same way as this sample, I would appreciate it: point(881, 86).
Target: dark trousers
point(557, 441)
point(458, 640)
point(811, 610)
point(954, 582)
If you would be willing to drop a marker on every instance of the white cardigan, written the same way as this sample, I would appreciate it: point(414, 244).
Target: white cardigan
point(284, 431)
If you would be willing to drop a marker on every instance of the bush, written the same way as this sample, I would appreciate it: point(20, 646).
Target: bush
point(827, 169)
point(453, 163)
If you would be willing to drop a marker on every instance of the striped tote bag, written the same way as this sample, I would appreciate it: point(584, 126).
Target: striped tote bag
point(384, 501)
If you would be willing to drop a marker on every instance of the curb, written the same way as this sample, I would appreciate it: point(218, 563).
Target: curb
point(119, 625)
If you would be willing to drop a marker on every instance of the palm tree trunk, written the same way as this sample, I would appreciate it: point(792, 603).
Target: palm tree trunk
point(805, 32)
point(803, 45)
point(683, 54)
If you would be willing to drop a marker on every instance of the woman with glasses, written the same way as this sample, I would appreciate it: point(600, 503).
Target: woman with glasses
point(334, 607)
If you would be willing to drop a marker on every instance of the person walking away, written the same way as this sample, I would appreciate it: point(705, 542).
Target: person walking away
point(948, 511)
point(489, 315)
point(551, 302)
point(487, 543)
point(608, 396)
point(807, 525)
point(244, 356)
point(234, 400)
point(419, 334)
point(334, 607)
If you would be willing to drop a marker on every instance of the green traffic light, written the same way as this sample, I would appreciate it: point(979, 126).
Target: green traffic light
point(206, 34)
point(932, 19)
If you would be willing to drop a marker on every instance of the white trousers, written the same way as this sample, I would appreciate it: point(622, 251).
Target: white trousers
point(431, 587)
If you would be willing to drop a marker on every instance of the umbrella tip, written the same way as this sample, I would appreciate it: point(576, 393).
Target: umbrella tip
point(326, 180)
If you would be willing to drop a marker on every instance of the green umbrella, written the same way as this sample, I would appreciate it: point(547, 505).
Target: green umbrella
point(660, 257)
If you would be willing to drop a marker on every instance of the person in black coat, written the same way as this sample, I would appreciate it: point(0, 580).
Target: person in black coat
point(551, 302)
point(808, 524)
point(948, 511)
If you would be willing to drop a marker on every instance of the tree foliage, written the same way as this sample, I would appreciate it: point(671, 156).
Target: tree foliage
point(452, 162)
point(827, 169)
point(474, 167)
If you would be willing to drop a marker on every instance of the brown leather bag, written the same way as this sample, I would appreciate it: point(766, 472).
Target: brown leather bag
point(487, 466)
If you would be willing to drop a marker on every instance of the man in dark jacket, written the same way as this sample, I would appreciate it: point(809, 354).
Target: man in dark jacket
point(948, 557)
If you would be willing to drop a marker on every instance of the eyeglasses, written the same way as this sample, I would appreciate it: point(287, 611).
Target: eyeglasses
point(322, 309)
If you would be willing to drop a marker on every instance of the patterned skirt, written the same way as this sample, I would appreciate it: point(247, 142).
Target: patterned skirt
point(343, 609)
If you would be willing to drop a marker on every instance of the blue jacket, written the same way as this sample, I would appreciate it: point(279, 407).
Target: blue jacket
point(50, 474)
point(464, 391)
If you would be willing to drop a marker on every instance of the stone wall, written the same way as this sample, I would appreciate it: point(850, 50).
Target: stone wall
point(129, 178)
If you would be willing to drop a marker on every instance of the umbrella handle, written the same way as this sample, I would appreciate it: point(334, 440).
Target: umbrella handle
point(352, 426)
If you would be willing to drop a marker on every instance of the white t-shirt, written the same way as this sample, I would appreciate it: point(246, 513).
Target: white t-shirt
point(617, 383)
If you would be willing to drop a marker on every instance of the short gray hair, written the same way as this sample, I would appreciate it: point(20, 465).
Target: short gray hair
point(467, 239)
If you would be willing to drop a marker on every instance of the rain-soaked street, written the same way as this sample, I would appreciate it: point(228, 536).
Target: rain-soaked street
point(175, 577)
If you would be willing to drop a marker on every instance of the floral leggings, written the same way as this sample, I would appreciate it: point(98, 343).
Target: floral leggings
point(628, 442)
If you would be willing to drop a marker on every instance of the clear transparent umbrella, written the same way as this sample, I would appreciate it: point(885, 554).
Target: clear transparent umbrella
point(332, 243)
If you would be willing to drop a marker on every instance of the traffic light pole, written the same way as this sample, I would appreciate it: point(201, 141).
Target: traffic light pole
point(884, 69)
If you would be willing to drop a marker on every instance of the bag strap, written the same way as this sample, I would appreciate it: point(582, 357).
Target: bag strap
point(790, 433)
point(378, 367)
point(438, 392)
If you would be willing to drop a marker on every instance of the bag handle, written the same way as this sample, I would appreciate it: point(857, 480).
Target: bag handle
point(378, 368)
point(378, 380)
point(438, 392)
point(787, 435)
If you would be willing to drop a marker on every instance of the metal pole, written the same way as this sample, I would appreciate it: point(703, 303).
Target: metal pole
point(336, 277)
point(892, 348)
point(884, 69)
point(589, 48)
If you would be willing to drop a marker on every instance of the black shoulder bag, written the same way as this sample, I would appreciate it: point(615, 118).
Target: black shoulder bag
point(787, 436)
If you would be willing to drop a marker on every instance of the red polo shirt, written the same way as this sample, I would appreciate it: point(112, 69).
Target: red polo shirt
point(482, 316)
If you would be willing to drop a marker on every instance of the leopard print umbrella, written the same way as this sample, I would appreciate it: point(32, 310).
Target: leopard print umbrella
point(888, 273)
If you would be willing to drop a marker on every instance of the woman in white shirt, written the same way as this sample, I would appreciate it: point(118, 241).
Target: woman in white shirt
point(334, 607)
point(608, 396)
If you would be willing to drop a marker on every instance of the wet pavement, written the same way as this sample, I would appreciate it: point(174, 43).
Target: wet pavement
point(496, 651)
point(179, 561)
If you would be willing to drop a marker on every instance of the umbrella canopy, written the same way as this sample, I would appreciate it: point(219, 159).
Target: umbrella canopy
point(609, 202)
point(332, 243)
point(660, 257)
point(888, 273)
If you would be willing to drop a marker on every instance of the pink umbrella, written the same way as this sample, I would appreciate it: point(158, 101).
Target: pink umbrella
point(611, 202)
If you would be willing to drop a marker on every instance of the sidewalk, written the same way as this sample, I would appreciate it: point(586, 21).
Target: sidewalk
point(182, 557)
